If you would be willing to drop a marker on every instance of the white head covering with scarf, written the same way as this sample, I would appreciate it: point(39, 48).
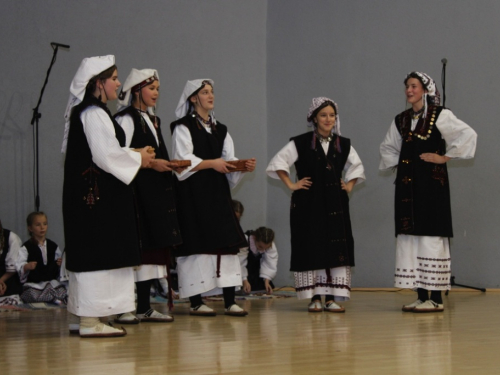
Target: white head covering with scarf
point(318, 102)
point(136, 80)
point(89, 68)
point(432, 95)
point(191, 86)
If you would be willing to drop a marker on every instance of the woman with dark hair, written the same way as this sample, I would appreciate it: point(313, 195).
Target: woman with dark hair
point(211, 233)
point(320, 226)
point(98, 209)
point(419, 143)
point(158, 226)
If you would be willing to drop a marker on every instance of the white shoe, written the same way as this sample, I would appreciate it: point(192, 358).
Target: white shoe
point(429, 306)
point(127, 318)
point(235, 310)
point(315, 306)
point(155, 316)
point(331, 306)
point(102, 330)
point(202, 310)
point(411, 306)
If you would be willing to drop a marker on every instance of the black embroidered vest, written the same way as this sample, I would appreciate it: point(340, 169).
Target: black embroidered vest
point(99, 216)
point(422, 201)
point(158, 225)
point(319, 217)
point(204, 204)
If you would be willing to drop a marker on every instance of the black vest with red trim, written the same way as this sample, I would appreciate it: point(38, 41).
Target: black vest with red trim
point(99, 214)
point(319, 217)
point(204, 204)
point(422, 201)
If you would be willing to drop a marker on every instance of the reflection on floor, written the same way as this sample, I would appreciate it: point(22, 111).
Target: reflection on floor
point(279, 336)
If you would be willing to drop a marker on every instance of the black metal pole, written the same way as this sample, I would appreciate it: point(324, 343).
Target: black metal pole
point(444, 61)
point(34, 121)
point(452, 282)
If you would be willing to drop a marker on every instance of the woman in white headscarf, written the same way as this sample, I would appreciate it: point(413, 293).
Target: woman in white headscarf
point(320, 225)
point(158, 226)
point(419, 143)
point(211, 233)
point(98, 209)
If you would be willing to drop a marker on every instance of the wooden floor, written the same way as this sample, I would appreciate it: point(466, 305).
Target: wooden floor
point(278, 337)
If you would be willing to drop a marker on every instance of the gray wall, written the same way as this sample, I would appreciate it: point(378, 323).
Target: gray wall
point(222, 40)
point(358, 53)
point(268, 59)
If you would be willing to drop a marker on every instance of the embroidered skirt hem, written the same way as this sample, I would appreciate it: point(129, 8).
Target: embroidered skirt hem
point(422, 262)
point(311, 283)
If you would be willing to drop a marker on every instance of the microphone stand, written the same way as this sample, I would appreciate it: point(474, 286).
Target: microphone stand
point(443, 83)
point(453, 283)
point(443, 79)
point(34, 121)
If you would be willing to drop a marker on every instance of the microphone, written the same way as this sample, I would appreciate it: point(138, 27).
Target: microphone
point(443, 60)
point(54, 44)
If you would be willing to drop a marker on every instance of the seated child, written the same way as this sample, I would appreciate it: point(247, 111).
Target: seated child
point(39, 264)
point(259, 261)
point(10, 286)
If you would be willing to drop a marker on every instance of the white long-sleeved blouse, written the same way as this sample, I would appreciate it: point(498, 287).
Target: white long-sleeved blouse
point(460, 140)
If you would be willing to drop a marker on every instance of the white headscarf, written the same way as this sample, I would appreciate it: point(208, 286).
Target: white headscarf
point(89, 68)
point(189, 89)
point(429, 84)
point(316, 103)
point(135, 78)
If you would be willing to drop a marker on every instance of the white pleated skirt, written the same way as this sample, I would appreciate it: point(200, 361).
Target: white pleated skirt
point(198, 273)
point(101, 293)
point(149, 272)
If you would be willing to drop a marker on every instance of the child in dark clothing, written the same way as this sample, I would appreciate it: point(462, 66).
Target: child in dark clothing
point(39, 264)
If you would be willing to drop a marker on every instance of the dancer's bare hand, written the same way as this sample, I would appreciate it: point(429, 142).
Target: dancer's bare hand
point(147, 156)
point(305, 184)
point(431, 157)
point(222, 166)
point(30, 266)
point(250, 164)
point(247, 288)
point(161, 165)
point(267, 284)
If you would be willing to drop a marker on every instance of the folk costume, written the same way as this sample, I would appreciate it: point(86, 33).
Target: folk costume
point(322, 252)
point(257, 266)
point(41, 284)
point(422, 201)
point(158, 225)
point(98, 208)
point(10, 243)
point(212, 235)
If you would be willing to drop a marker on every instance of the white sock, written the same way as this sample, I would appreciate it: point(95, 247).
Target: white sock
point(87, 322)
